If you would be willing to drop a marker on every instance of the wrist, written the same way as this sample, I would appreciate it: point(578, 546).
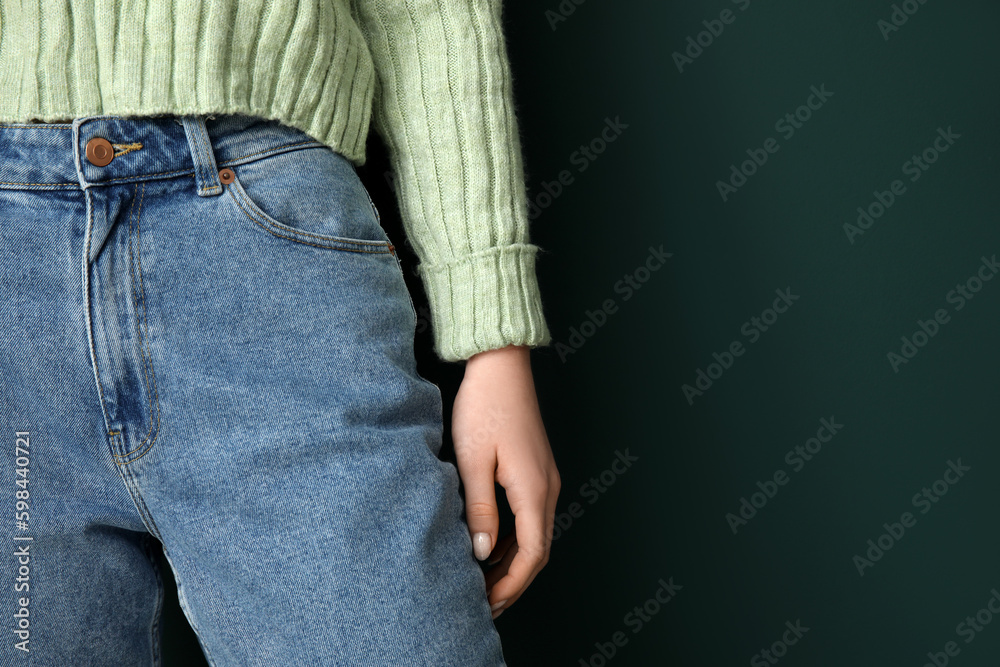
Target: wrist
point(511, 355)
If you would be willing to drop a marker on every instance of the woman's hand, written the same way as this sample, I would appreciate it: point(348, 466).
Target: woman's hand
point(499, 436)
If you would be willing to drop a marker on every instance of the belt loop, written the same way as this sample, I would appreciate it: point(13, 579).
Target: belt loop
point(206, 171)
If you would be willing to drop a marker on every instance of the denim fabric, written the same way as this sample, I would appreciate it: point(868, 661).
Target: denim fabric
point(228, 369)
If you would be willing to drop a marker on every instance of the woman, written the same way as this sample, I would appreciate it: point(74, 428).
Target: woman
point(207, 338)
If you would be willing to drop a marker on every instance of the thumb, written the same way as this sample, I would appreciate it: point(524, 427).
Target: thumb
point(478, 475)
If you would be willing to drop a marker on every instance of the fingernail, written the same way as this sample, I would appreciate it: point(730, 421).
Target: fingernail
point(482, 545)
point(497, 605)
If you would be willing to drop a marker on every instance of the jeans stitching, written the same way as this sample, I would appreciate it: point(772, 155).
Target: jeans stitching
point(178, 171)
point(266, 225)
point(154, 429)
point(126, 148)
point(199, 165)
point(30, 126)
point(205, 148)
point(140, 502)
point(90, 320)
point(275, 148)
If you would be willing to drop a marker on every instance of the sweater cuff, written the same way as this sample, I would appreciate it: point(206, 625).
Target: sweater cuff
point(485, 301)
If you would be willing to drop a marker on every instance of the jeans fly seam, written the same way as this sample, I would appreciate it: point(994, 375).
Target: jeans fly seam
point(147, 365)
point(90, 320)
point(145, 323)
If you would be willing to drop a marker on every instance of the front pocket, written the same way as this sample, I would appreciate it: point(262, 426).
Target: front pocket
point(311, 196)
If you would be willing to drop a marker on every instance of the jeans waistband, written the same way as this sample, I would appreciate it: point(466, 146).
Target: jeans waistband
point(53, 156)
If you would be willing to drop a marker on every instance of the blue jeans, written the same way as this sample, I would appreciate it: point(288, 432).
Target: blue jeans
point(206, 339)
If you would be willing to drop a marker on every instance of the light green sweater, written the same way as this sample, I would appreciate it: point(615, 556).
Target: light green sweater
point(431, 75)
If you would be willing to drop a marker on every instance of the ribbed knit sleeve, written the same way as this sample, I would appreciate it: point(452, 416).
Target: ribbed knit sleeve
point(443, 104)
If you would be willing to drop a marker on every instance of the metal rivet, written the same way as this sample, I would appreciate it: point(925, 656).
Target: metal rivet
point(100, 152)
point(227, 176)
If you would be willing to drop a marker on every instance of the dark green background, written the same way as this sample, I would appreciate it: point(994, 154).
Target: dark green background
point(825, 358)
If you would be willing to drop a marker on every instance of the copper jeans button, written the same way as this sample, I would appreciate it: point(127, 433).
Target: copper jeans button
point(100, 152)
